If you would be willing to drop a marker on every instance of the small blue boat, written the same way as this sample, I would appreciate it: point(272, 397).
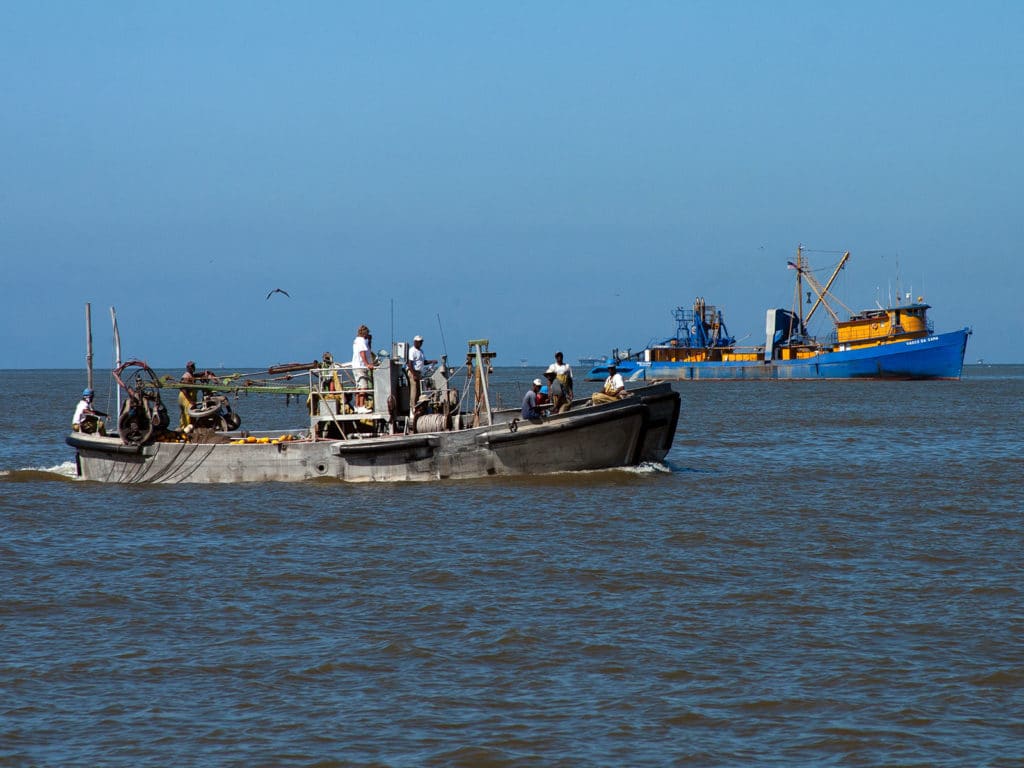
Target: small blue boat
point(895, 342)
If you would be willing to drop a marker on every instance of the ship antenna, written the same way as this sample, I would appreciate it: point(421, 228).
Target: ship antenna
point(444, 344)
point(898, 294)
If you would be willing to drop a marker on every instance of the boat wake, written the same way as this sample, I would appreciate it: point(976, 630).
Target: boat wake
point(61, 472)
point(649, 468)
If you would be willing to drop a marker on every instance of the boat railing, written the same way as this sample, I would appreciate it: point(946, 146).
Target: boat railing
point(332, 400)
point(336, 382)
point(684, 354)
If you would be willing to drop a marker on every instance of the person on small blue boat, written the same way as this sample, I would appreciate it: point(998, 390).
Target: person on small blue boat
point(614, 388)
point(531, 409)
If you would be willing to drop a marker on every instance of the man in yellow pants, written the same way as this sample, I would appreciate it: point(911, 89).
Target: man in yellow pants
point(614, 388)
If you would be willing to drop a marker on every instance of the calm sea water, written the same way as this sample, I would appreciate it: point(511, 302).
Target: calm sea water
point(824, 573)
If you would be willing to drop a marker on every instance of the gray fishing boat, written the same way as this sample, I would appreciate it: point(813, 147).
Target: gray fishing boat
point(448, 433)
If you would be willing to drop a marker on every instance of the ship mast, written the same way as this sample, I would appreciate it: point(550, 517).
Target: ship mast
point(799, 267)
point(822, 292)
point(802, 270)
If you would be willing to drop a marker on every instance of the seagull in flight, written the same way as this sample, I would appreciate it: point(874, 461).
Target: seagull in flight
point(278, 290)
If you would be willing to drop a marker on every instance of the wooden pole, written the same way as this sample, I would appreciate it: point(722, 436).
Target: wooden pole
point(117, 354)
point(88, 343)
point(482, 374)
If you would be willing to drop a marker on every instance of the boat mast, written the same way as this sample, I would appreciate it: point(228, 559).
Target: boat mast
point(823, 292)
point(482, 359)
point(88, 344)
point(117, 354)
point(799, 285)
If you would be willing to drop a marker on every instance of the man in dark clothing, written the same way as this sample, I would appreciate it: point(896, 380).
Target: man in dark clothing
point(559, 400)
point(530, 409)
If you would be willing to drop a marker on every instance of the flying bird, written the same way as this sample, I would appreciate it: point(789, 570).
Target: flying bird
point(278, 290)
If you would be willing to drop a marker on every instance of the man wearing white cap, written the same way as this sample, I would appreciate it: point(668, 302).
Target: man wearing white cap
point(530, 409)
point(415, 365)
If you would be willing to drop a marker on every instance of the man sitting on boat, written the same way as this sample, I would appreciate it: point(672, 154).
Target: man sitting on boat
point(556, 392)
point(87, 420)
point(614, 388)
point(531, 410)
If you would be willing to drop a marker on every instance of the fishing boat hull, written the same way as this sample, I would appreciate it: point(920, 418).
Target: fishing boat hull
point(615, 435)
point(937, 356)
point(662, 407)
point(662, 417)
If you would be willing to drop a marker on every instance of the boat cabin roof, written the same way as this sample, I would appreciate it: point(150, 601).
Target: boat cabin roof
point(868, 314)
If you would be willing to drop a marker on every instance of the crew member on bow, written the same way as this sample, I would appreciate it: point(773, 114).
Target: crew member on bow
point(87, 419)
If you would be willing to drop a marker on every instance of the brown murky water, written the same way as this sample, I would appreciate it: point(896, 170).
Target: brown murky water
point(825, 573)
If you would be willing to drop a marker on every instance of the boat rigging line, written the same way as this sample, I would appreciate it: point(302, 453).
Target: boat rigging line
point(440, 328)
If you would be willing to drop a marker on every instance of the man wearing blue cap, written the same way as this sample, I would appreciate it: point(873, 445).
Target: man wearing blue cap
point(87, 420)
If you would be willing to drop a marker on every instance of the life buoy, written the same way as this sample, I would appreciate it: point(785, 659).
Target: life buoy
point(874, 326)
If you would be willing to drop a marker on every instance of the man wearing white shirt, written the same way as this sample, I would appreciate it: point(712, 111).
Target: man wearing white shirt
point(564, 375)
point(417, 360)
point(614, 388)
point(362, 364)
point(87, 419)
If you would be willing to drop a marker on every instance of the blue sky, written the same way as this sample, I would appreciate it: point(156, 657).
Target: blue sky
point(550, 176)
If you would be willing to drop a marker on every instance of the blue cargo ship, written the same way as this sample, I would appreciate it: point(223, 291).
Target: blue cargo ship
point(894, 342)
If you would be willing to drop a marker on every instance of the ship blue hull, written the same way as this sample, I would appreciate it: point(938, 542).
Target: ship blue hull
point(939, 356)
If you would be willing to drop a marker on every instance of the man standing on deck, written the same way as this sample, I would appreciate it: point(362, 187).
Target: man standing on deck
point(187, 397)
point(415, 365)
point(563, 372)
point(362, 364)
